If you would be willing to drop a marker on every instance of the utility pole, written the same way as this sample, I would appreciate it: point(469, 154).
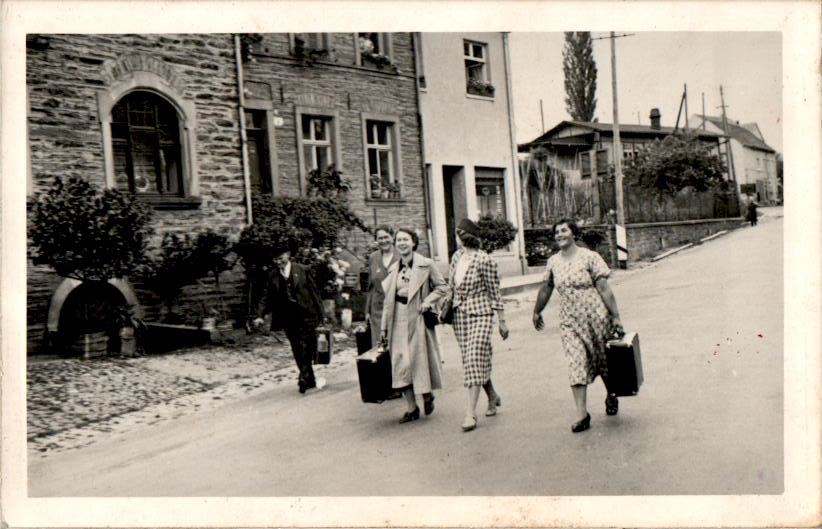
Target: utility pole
point(686, 106)
point(728, 152)
point(621, 236)
point(542, 116)
point(703, 110)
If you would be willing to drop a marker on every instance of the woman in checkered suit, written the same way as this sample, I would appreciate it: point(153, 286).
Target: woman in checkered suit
point(473, 281)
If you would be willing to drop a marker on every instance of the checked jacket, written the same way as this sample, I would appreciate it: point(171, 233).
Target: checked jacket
point(478, 294)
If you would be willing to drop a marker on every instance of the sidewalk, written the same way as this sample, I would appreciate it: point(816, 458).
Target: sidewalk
point(72, 402)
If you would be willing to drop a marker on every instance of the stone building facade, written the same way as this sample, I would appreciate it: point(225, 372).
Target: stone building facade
point(160, 116)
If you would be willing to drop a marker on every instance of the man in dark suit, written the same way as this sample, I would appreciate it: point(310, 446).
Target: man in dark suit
point(291, 296)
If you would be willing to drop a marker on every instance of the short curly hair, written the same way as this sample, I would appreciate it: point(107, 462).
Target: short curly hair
point(384, 227)
point(414, 237)
point(572, 225)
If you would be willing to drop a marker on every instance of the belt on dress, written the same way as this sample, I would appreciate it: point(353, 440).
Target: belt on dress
point(401, 299)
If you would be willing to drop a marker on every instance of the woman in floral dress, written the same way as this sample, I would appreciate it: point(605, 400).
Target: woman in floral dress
point(587, 311)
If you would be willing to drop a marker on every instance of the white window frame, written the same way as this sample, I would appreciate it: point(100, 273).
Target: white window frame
point(394, 149)
point(384, 45)
point(333, 135)
point(187, 125)
point(483, 61)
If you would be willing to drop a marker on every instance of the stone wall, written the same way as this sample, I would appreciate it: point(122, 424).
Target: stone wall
point(66, 78)
point(648, 240)
point(336, 84)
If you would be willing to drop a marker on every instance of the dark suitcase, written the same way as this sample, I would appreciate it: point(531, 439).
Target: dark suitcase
point(374, 370)
point(624, 365)
point(363, 337)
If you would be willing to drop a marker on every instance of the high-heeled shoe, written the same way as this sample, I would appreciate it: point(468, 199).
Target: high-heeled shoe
point(410, 416)
point(582, 425)
point(469, 423)
point(492, 406)
point(611, 405)
point(428, 405)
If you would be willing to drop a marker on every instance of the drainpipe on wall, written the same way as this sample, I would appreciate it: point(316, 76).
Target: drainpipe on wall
point(514, 160)
point(243, 138)
point(432, 247)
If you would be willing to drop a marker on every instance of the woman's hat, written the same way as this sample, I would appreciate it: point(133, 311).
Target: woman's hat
point(469, 227)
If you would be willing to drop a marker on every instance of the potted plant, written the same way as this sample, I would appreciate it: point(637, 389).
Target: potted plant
point(394, 190)
point(480, 88)
point(211, 252)
point(495, 232)
point(92, 236)
point(125, 327)
point(375, 185)
point(385, 187)
point(173, 266)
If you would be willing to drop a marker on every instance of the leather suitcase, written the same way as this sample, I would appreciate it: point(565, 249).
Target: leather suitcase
point(363, 337)
point(624, 365)
point(374, 370)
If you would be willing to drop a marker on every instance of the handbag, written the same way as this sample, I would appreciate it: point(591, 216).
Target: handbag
point(447, 312)
point(430, 318)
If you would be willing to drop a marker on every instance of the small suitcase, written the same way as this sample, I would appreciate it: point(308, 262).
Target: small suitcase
point(325, 345)
point(374, 370)
point(363, 336)
point(624, 365)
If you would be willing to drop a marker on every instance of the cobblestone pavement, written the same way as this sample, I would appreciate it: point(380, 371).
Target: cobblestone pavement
point(73, 403)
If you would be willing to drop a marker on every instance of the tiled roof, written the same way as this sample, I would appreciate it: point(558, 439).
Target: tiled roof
point(626, 129)
point(741, 134)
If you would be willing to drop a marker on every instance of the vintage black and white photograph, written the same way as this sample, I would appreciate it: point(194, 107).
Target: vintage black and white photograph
point(306, 264)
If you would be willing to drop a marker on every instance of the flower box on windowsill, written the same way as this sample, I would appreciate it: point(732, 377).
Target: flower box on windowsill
point(166, 202)
point(379, 60)
point(480, 88)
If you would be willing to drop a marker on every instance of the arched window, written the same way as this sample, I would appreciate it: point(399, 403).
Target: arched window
point(146, 147)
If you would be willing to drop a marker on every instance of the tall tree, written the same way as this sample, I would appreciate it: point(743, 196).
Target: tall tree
point(580, 75)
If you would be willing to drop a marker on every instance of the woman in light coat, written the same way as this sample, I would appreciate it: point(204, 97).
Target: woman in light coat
point(413, 286)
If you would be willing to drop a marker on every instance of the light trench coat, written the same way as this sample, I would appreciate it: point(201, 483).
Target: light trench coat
point(422, 341)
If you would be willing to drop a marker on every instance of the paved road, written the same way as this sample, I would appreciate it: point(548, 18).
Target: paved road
point(707, 421)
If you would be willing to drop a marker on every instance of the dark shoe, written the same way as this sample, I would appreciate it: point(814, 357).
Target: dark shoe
point(611, 405)
point(492, 406)
point(582, 425)
point(410, 416)
point(302, 386)
point(428, 405)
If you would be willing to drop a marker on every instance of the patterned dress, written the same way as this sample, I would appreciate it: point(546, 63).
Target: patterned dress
point(584, 321)
point(475, 299)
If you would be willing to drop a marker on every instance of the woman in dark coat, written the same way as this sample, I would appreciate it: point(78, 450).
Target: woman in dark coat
point(378, 263)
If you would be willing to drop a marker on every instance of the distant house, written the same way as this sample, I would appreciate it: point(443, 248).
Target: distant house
point(754, 160)
point(571, 158)
point(467, 130)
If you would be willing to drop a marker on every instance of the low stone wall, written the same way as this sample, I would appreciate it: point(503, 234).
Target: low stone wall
point(648, 240)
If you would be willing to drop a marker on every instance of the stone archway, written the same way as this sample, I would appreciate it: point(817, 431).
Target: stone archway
point(61, 294)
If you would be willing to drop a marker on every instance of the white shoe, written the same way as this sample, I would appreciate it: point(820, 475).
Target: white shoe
point(320, 382)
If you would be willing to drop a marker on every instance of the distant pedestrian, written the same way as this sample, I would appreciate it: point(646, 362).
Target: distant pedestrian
point(378, 263)
point(474, 295)
point(588, 314)
point(292, 297)
point(751, 214)
point(413, 286)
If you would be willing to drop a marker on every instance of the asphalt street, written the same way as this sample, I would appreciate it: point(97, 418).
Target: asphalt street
point(708, 419)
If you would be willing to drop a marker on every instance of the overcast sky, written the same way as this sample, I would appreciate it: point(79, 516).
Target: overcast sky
point(652, 69)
